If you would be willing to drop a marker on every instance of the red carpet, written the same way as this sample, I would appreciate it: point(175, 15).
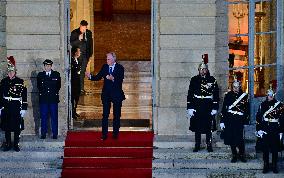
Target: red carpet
point(86, 155)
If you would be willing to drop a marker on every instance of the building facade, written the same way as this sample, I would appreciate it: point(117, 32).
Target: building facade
point(182, 30)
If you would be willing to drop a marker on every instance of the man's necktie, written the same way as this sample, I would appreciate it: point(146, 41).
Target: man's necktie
point(110, 70)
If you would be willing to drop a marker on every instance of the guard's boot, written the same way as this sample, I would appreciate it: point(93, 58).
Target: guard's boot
point(7, 146)
point(17, 147)
point(209, 147)
point(196, 148)
point(243, 158)
point(274, 162)
point(234, 159)
point(265, 162)
point(265, 167)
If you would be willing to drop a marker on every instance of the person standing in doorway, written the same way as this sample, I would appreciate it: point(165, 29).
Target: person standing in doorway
point(48, 84)
point(113, 75)
point(202, 105)
point(82, 38)
point(75, 80)
point(235, 114)
point(13, 105)
point(269, 129)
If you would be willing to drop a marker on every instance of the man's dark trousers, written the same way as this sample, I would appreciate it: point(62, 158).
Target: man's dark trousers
point(45, 109)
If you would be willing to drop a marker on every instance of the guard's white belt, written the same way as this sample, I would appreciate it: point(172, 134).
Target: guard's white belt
point(204, 97)
point(235, 112)
point(12, 99)
point(270, 120)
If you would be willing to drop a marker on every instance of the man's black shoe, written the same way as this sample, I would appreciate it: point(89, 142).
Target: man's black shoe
point(234, 159)
point(209, 148)
point(115, 136)
point(54, 137)
point(43, 137)
point(103, 137)
point(7, 147)
point(196, 148)
point(243, 159)
point(17, 148)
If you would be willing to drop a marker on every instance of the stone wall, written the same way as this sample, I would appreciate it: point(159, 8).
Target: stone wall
point(2, 39)
point(186, 30)
point(34, 33)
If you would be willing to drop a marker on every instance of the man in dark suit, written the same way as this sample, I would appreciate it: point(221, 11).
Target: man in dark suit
point(82, 38)
point(75, 80)
point(48, 84)
point(113, 75)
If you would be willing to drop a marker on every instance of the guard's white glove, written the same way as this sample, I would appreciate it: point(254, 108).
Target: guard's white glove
point(280, 135)
point(190, 112)
point(23, 112)
point(213, 112)
point(222, 126)
point(260, 133)
point(0, 111)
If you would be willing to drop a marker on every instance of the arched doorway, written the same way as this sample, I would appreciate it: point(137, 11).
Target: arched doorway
point(126, 30)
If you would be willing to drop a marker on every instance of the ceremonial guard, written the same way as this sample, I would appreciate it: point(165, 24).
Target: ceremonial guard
point(48, 84)
point(75, 80)
point(234, 115)
point(13, 105)
point(269, 129)
point(202, 104)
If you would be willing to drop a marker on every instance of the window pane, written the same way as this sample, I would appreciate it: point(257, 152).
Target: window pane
point(238, 22)
point(263, 76)
point(265, 16)
point(265, 49)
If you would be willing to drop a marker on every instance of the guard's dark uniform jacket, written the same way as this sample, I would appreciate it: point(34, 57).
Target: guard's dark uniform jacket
point(13, 99)
point(235, 114)
point(203, 96)
point(270, 121)
point(48, 87)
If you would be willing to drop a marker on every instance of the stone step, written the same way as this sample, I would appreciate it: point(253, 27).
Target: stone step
point(37, 158)
point(210, 173)
point(29, 173)
point(255, 164)
point(189, 144)
point(31, 155)
point(33, 164)
point(221, 153)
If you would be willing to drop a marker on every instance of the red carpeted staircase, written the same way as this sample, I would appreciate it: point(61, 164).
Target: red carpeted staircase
point(86, 155)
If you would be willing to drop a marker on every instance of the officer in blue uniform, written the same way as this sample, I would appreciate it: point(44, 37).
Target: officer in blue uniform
point(13, 105)
point(113, 75)
point(48, 84)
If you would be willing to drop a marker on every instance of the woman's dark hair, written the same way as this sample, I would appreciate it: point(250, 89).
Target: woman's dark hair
point(74, 50)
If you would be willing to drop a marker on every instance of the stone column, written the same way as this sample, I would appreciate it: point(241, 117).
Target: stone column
point(186, 30)
point(33, 35)
point(2, 39)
